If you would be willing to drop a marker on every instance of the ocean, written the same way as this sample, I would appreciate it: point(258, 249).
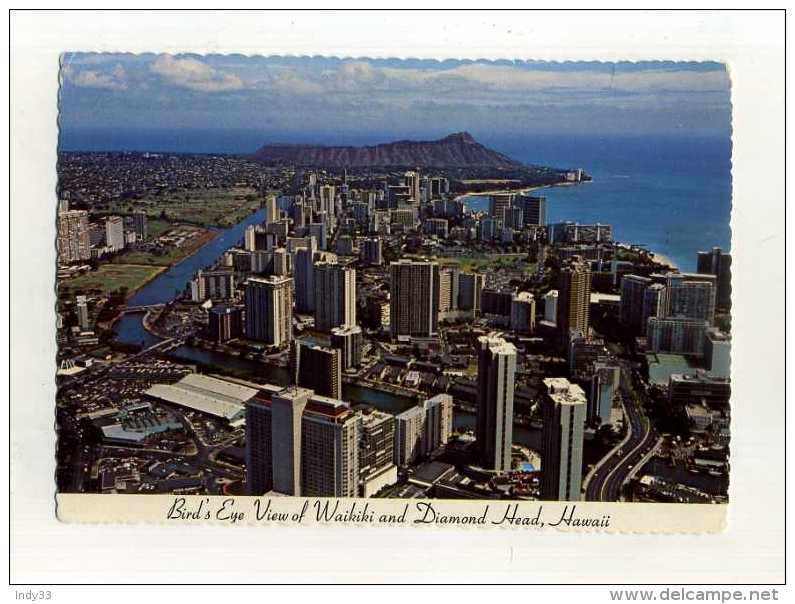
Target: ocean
point(671, 193)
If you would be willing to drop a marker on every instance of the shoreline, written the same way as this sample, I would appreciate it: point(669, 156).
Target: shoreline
point(521, 191)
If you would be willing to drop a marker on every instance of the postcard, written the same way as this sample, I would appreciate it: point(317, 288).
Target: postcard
point(386, 292)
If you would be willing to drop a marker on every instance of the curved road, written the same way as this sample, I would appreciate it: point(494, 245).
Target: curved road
point(613, 471)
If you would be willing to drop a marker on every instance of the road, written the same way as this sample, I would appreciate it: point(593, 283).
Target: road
point(613, 471)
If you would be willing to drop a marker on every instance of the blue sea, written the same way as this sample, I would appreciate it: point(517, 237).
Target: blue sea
point(671, 193)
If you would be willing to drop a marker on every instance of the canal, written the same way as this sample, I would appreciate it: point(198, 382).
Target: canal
point(129, 329)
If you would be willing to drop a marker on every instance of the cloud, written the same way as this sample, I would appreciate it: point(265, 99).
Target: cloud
point(116, 79)
point(194, 75)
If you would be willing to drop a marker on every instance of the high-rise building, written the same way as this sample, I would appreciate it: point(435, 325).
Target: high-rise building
point(605, 382)
point(225, 322)
point(523, 313)
point(304, 274)
point(717, 262)
point(551, 306)
point(319, 232)
point(679, 335)
point(414, 301)
point(271, 209)
point(534, 208)
point(73, 241)
point(114, 233)
point(654, 304)
point(327, 196)
point(438, 427)
point(494, 426)
point(250, 238)
point(497, 301)
point(218, 284)
point(470, 291)
point(282, 262)
point(633, 291)
point(448, 289)
point(330, 449)
point(376, 452)
point(335, 296)
point(564, 408)
point(412, 181)
point(316, 367)
point(513, 218)
point(436, 226)
point(269, 310)
point(81, 308)
point(438, 187)
point(422, 429)
point(691, 295)
point(408, 435)
point(301, 444)
point(717, 353)
point(574, 296)
point(498, 203)
point(348, 340)
point(140, 223)
point(372, 253)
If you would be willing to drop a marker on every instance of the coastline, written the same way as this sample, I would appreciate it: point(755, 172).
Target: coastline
point(522, 191)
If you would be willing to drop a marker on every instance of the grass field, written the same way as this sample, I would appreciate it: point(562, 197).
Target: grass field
point(481, 261)
point(108, 278)
point(206, 207)
point(174, 254)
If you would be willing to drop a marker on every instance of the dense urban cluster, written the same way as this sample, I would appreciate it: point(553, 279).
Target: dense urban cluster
point(535, 360)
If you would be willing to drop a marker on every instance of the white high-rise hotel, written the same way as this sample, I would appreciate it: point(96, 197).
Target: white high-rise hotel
point(494, 427)
point(564, 409)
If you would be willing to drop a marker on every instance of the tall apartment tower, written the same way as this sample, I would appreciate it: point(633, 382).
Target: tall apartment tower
point(73, 242)
point(140, 225)
point(470, 290)
point(633, 291)
point(273, 441)
point(412, 181)
point(330, 449)
point(448, 289)
point(564, 409)
point(302, 444)
point(414, 298)
point(269, 310)
point(271, 209)
point(534, 208)
point(335, 296)
point(348, 340)
point(114, 233)
point(718, 263)
point(498, 204)
point(691, 295)
point(372, 253)
point(574, 296)
point(494, 427)
point(316, 367)
point(523, 313)
point(304, 273)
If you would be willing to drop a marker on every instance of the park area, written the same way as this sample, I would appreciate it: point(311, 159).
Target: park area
point(219, 207)
point(108, 278)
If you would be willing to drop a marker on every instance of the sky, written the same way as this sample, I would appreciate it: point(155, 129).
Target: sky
point(233, 103)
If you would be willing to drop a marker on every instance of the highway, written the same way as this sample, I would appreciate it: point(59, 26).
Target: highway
point(610, 474)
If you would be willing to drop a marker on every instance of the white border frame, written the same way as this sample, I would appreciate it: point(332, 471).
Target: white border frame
point(750, 551)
